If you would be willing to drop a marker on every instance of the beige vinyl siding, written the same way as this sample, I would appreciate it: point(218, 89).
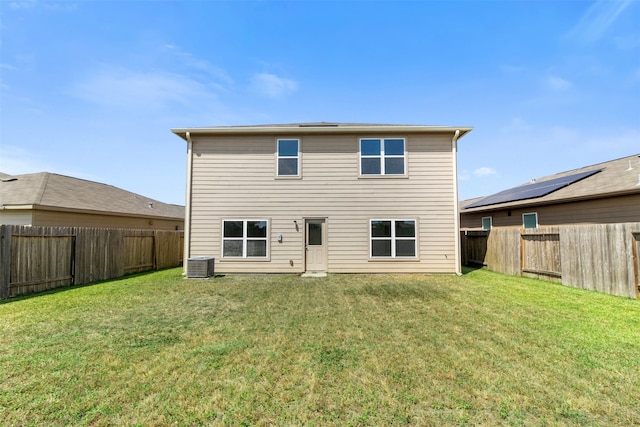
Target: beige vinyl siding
point(606, 210)
point(235, 177)
point(75, 219)
point(16, 217)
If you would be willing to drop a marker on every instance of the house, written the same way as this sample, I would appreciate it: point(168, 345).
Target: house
point(323, 197)
point(604, 193)
point(49, 199)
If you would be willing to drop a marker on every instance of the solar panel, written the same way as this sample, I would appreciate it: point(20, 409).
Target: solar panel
point(533, 190)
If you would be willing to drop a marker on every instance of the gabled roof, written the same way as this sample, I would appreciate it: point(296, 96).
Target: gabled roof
point(51, 191)
point(612, 178)
point(317, 128)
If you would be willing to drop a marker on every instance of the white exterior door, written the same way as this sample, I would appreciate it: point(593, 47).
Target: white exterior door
point(315, 245)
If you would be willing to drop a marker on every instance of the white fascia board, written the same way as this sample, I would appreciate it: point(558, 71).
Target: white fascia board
point(300, 130)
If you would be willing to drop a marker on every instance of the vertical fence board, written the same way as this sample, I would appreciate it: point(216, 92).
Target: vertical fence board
point(636, 259)
point(503, 250)
point(41, 259)
point(540, 254)
point(34, 259)
point(5, 259)
point(597, 257)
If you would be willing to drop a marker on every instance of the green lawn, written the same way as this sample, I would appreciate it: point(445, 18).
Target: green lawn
point(482, 349)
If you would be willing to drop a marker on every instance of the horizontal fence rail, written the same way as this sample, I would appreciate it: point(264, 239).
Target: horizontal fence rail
point(600, 257)
point(34, 259)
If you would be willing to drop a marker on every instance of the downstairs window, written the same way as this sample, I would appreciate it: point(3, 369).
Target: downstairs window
point(244, 238)
point(393, 238)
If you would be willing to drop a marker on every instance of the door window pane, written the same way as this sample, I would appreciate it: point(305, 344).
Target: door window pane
point(315, 234)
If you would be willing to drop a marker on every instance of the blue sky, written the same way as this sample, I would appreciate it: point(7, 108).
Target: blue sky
point(91, 88)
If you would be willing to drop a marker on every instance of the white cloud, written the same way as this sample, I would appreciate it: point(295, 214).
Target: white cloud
point(484, 171)
point(272, 86)
point(557, 83)
point(197, 65)
point(597, 19)
point(23, 4)
point(146, 90)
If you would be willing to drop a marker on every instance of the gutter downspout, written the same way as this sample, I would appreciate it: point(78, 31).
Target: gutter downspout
point(187, 209)
point(456, 213)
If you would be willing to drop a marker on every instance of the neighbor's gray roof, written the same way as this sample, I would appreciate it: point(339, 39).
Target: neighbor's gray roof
point(618, 177)
point(317, 128)
point(46, 190)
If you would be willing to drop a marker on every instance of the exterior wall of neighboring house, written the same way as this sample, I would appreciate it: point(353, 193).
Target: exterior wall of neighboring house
point(235, 178)
point(16, 217)
point(75, 219)
point(56, 218)
point(606, 210)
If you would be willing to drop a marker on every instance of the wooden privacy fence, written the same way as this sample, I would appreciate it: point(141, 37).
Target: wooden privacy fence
point(34, 259)
point(602, 257)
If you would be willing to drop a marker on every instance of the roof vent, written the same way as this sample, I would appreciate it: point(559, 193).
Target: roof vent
point(318, 125)
point(9, 179)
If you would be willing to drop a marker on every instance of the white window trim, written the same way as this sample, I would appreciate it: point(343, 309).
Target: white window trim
point(298, 158)
point(490, 223)
point(245, 239)
point(382, 156)
point(530, 213)
point(393, 239)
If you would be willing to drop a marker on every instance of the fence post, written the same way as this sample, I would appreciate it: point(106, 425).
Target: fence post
point(521, 252)
point(635, 240)
point(5, 259)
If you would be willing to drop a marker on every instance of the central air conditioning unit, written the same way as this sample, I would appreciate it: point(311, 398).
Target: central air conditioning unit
point(200, 267)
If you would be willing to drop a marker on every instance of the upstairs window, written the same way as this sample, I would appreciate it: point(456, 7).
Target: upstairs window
point(487, 223)
point(244, 238)
point(382, 156)
point(530, 220)
point(393, 238)
point(288, 157)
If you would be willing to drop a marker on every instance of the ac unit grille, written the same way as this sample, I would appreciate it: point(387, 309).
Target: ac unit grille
point(200, 267)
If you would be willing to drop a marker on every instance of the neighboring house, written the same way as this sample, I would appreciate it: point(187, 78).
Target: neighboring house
point(48, 199)
point(323, 197)
point(605, 193)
